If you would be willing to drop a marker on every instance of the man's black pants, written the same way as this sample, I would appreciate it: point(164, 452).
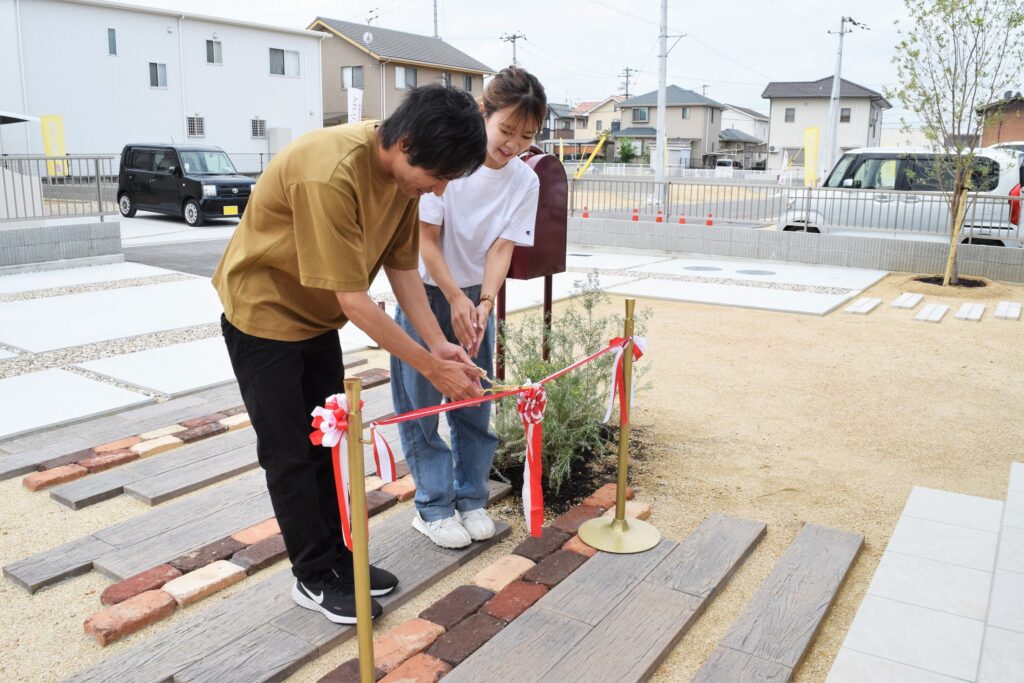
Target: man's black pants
point(281, 383)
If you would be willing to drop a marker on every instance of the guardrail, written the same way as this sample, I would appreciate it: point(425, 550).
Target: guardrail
point(37, 187)
point(988, 218)
point(793, 177)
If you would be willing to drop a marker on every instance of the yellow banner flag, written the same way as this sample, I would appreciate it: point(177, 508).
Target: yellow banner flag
point(810, 157)
point(53, 144)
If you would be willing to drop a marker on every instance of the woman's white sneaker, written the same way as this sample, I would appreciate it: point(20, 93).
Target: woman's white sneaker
point(478, 523)
point(447, 532)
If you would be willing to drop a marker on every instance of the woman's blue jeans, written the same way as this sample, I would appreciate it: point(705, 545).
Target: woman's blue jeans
point(447, 478)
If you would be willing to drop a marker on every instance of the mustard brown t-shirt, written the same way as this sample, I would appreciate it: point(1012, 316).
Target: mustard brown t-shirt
point(324, 217)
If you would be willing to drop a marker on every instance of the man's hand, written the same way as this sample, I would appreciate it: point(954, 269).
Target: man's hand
point(465, 321)
point(454, 374)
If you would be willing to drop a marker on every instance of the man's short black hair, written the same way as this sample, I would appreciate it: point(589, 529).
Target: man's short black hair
point(441, 130)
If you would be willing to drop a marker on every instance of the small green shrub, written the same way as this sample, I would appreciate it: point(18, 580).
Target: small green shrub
point(577, 400)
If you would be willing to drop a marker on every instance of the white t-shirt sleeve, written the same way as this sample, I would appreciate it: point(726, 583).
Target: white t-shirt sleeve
point(523, 221)
point(432, 209)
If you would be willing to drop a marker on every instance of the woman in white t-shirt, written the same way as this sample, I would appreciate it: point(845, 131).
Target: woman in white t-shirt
point(466, 242)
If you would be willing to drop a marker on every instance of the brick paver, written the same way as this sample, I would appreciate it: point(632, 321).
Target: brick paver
point(404, 641)
point(634, 509)
point(261, 555)
point(58, 475)
point(117, 621)
point(457, 605)
point(163, 431)
point(570, 521)
point(502, 572)
point(402, 489)
point(576, 545)
point(149, 580)
point(555, 567)
point(118, 445)
point(205, 419)
point(195, 586)
point(237, 421)
point(218, 550)
point(536, 548)
point(201, 432)
point(513, 600)
point(66, 459)
point(154, 446)
point(465, 639)
point(98, 463)
point(256, 533)
point(605, 496)
point(419, 669)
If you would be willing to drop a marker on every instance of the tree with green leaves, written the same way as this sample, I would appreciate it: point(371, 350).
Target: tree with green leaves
point(953, 58)
point(627, 151)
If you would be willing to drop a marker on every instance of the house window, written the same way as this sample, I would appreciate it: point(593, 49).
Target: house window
point(258, 128)
point(111, 42)
point(467, 83)
point(284, 62)
point(213, 55)
point(712, 116)
point(157, 75)
point(565, 125)
point(196, 127)
point(640, 115)
point(405, 77)
point(600, 125)
point(581, 123)
point(686, 112)
point(796, 155)
point(790, 114)
point(351, 77)
point(844, 115)
point(616, 126)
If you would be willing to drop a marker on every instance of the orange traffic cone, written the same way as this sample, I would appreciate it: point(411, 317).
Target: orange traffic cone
point(682, 219)
point(711, 219)
point(660, 218)
point(586, 212)
point(636, 214)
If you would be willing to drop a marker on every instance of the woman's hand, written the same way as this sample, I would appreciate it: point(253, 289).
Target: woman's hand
point(465, 321)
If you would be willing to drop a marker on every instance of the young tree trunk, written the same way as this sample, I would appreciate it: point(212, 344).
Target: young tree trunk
point(959, 209)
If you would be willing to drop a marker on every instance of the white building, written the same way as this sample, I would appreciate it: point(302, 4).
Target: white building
point(746, 120)
point(797, 106)
point(119, 73)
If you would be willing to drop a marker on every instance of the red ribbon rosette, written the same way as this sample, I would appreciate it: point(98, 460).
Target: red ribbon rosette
point(531, 403)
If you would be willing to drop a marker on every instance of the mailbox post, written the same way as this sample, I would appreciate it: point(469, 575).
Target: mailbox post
point(547, 255)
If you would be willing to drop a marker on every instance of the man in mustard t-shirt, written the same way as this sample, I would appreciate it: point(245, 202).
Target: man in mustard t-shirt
point(329, 211)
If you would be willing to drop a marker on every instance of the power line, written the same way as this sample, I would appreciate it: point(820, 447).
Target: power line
point(512, 39)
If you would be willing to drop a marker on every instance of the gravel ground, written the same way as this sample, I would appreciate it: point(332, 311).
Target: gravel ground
point(776, 417)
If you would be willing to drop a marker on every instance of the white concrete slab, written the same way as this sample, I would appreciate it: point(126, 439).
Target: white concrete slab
point(954, 508)
point(863, 306)
point(51, 397)
point(971, 312)
point(768, 271)
point(1011, 550)
point(958, 545)
point(59, 322)
point(851, 666)
point(907, 300)
point(522, 294)
point(1008, 310)
point(935, 585)
point(4, 355)
point(1017, 476)
point(734, 295)
point(1002, 658)
point(174, 370)
point(1013, 512)
point(71, 277)
point(1007, 608)
point(924, 638)
point(931, 313)
point(149, 229)
point(609, 261)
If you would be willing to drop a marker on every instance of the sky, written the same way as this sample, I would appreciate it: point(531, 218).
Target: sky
point(579, 48)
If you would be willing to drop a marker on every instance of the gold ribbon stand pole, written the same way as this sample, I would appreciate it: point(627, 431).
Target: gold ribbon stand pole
point(360, 533)
point(622, 534)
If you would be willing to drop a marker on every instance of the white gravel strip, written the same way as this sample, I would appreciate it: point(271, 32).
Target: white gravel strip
point(94, 287)
point(718, 281)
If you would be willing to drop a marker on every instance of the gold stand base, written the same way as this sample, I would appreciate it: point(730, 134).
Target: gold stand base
point(619, 536)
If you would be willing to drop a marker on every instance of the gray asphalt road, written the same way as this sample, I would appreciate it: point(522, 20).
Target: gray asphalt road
point(198, 258)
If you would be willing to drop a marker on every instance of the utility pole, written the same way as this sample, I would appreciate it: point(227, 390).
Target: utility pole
point(512, 39)
point(625, 76)
point(704, 90)
point(435, 20)
point(660, 140)
point(828, 150)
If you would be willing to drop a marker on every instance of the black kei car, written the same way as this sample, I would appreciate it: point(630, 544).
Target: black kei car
point(190, 181)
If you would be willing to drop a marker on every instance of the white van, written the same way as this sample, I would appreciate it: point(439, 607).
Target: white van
point(724, 167)
point(879, 192)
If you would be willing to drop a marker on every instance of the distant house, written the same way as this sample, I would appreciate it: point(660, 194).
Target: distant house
point(592, 118)
point(579, 127)
point(559, 124)
point(385, 64)
point(1003, 120)
point(798, 105)
point(692, 126)
point(744, 135)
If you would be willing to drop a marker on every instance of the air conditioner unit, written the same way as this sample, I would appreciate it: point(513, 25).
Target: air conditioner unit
point(773, 149)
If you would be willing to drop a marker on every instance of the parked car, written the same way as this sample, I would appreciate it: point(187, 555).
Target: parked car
point(899, 190)
point(193, 182)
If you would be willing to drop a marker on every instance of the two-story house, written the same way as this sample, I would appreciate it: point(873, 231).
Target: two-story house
point(692, 125)
point(798, 105)
point(559, 123)
point(744, 136)
point(1002, 120)
point(593, 118)
point(384, 64)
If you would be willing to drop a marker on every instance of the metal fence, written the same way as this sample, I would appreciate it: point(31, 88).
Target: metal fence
point(988, 218)
point(794, 176)
point(35, 187)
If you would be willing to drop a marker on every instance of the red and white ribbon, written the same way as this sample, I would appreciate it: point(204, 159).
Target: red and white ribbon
point(330, 429)
point(531, 404)
point(382, 455)
point(618, 383)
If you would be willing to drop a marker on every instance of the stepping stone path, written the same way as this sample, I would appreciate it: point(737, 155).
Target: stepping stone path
point(907, 300)
point(932, 313)
point(1007, 310)
point(971, 312)
point(863, 306)
point(947, 599)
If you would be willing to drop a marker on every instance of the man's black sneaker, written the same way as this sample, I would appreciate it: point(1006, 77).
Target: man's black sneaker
point(382, 581)
point(334, 597)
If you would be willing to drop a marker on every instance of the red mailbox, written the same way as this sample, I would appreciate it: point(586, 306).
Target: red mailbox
point(547, 255)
